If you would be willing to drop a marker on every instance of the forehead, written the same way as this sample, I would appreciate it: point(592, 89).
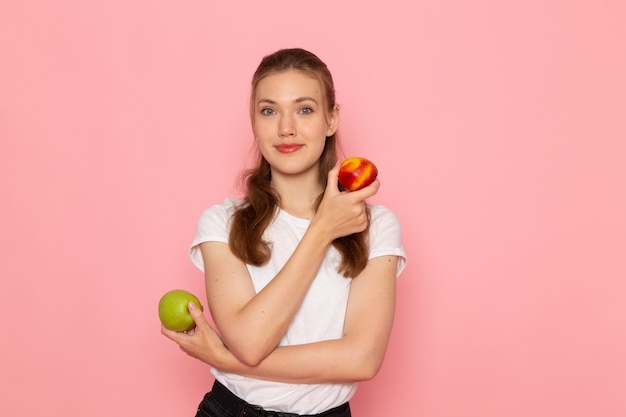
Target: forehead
point(288, 85)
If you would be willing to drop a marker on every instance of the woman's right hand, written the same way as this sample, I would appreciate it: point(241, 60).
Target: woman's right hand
point(252, 323)
point(202, 341)
point(342, 213)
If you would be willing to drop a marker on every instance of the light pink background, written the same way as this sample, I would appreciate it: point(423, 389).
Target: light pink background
point(499, 131)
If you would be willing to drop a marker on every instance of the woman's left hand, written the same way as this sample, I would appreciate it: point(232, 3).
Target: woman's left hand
point(201, 342)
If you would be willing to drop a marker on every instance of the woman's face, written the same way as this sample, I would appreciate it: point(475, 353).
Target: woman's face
point(291, 122)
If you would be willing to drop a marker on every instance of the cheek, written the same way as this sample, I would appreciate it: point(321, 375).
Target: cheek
point(261, 130)
point(319, 129)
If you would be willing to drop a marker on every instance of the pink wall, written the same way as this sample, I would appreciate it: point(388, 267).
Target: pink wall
point(499, 130)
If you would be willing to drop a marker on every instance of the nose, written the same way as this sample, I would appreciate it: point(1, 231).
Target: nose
point(286, 127)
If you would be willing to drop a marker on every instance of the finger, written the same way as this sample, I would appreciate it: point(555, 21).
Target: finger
point(367, 192)
point(197, 316)
point(170, 334)
point(332, 183)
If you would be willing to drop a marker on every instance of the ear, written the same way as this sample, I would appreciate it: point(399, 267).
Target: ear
point(333, 121)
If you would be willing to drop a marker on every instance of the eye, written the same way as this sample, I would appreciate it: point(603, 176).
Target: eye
point(267, 111)
point(306, 110)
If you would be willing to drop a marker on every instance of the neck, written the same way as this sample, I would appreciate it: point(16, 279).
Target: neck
point(298, 194)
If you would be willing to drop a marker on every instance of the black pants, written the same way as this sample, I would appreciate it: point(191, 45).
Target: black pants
point(220, 402)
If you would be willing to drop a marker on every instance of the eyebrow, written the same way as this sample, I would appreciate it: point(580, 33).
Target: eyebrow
point(298, 100)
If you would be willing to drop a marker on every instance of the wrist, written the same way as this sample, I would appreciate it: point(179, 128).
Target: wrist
point(225, 361)
point(319, 234)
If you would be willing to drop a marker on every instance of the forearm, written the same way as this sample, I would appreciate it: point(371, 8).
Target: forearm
point(359, 353)
point(252, 330)
point(252, 324)
point(332, 361)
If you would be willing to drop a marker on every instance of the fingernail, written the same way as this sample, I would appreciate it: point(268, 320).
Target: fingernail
point(192, 305)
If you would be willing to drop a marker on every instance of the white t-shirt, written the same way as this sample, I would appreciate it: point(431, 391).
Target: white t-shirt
point(321, 315)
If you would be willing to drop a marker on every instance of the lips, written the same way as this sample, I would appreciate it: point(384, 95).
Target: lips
point(288, 147)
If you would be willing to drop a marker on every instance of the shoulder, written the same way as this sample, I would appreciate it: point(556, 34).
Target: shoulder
point(383, 217)
point(213, 226)
point(227, 205)
point(384, 225)
point(221, 212)
point(214, 222)
point(386, 235)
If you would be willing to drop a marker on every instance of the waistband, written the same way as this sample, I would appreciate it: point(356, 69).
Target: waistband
point(228, 400)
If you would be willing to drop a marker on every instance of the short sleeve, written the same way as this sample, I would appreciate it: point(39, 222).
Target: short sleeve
point(386, 236)
point(213, 226)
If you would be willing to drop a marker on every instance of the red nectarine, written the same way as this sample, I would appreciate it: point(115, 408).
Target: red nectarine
point(356, 173)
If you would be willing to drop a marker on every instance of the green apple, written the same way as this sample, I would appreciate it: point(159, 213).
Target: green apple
point(173, 311)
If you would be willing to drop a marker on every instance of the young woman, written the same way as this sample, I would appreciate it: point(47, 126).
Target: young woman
point(300, 275)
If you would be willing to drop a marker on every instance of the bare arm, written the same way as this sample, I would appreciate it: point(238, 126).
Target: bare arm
point(251, 325)
point(357, 356)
